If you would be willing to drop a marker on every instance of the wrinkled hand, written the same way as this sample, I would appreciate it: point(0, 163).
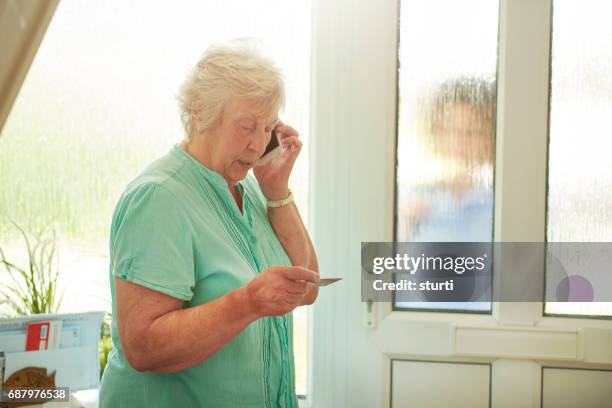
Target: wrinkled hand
point(273, 177)
point(279, 289)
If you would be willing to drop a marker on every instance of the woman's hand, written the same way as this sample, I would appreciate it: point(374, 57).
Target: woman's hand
point(273, 177)
point(279, 289)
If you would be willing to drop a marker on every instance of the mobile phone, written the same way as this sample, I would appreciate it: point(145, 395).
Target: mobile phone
point(272, 150)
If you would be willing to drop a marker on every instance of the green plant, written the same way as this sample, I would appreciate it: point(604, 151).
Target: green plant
point(33, 288)
point(106, 343)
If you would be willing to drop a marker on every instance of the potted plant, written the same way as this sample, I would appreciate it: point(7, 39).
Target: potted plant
point(33, 288)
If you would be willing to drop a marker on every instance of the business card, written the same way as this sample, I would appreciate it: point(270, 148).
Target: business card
point(328, 281)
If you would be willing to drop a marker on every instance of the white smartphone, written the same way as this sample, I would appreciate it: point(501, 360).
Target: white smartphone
point(273, 149)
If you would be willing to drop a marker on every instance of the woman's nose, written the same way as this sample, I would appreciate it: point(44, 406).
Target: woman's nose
point(260, 141)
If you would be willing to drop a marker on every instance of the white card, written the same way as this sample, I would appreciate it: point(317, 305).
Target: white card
point(328, 281)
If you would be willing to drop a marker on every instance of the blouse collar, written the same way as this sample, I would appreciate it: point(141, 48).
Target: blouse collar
point(212, 176)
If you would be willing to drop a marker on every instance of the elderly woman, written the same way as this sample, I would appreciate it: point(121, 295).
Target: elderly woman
point(207, 261)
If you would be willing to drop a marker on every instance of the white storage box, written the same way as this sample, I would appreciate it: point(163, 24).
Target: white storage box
point(76, 361)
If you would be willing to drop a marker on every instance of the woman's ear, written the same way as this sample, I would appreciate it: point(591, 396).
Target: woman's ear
point(194, 118)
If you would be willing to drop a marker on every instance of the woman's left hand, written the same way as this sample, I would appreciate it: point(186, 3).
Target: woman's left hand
point(273, 177)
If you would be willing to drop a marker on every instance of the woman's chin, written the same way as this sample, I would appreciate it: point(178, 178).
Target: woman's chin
point(243, 167)
point(239, 174)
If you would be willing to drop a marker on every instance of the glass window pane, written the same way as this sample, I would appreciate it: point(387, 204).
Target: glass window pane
point(98, 104)
point(579, 173)
point(447, 108)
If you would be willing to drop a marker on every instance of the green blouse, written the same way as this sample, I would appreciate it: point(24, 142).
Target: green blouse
point(178, 230)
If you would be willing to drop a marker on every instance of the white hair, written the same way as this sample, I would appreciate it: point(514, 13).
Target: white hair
point(235, 68)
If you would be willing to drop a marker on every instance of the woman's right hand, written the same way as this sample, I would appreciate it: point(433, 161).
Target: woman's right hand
point(279, 289)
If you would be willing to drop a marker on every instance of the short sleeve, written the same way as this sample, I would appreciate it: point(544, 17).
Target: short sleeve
point(151, 244)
